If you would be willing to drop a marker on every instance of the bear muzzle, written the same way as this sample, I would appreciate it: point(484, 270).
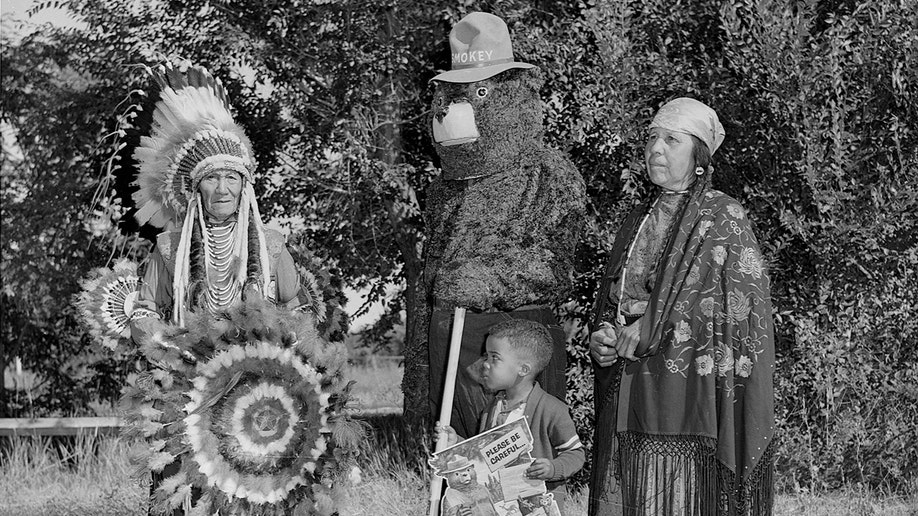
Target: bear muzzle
point(455, 125)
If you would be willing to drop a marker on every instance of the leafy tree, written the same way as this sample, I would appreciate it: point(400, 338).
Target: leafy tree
point(50, 233)
point(835, 82)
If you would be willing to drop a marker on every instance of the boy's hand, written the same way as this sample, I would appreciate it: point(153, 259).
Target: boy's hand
point(540, 469)
point(451, 436)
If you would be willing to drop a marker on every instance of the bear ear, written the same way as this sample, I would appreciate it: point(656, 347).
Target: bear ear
point(533, 78)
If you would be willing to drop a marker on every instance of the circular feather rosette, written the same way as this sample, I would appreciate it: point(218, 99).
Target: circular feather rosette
point(254, 425)
point(257, 421)
point(106, 302)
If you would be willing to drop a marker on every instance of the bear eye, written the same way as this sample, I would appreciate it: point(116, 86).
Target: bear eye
point(481, 92)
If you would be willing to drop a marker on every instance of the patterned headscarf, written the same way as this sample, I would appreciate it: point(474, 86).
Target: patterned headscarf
point(692, 117)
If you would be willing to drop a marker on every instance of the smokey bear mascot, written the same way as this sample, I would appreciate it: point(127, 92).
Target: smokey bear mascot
point(503, 219)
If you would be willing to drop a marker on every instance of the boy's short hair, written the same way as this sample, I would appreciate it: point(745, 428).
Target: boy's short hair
point(530, 337)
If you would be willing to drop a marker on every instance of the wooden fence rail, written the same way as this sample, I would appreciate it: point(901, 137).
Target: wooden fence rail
point(375, 361)
point(10, 427)
point(13, 427)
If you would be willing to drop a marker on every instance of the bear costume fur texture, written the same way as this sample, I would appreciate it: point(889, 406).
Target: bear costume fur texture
point(503, 222)
point(505, 239)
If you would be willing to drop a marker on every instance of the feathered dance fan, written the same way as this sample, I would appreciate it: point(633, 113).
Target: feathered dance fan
point(321, 293)
point(309, 288)
point(263, 432)
point(107, 302)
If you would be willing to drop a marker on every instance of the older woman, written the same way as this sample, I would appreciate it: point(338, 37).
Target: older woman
point(683, 343)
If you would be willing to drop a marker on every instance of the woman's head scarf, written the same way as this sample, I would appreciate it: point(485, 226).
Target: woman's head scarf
point(692, 117)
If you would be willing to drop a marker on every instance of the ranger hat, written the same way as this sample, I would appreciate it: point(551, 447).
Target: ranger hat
point(480, 47)
point(455, 464)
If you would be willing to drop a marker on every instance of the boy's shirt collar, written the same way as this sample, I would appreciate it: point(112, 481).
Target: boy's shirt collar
point(504, 413)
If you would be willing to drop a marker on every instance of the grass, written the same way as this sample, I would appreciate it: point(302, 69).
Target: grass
point(846, 502)
point(380, 384)
point(90, 475)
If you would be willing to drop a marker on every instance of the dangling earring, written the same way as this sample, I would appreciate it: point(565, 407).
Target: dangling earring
point(699, 171)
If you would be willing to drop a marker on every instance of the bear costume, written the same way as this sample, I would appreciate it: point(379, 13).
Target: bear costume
point(503, 219)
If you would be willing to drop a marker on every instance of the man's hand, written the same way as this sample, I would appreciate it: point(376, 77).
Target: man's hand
point(540, 469)
point(602, 345)
point(143, 328)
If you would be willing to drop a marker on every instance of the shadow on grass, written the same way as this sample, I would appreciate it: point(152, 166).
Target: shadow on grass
point(395, 444)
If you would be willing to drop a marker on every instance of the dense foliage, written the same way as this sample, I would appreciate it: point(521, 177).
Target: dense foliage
point(819, 99)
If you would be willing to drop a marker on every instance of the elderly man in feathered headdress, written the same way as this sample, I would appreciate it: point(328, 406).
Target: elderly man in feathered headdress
point(242, 412)
point(195, 179)
point(195, 174)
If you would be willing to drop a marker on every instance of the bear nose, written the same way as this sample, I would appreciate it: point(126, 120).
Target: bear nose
point(441, 112)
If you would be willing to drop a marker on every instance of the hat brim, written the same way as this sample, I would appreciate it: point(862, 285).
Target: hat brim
point(454, 470)
point(468, 75)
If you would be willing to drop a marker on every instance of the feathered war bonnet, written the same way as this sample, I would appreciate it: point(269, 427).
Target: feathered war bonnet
point(192, 134)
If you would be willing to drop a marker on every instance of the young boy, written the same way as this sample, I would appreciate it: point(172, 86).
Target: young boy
point(516, 351)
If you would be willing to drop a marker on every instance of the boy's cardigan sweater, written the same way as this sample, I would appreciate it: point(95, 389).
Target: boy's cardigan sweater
point(554, 436)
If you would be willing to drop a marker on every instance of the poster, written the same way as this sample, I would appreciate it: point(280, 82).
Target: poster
point(486, 475)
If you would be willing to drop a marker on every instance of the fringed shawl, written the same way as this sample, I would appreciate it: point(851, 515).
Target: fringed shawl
point(705, 392)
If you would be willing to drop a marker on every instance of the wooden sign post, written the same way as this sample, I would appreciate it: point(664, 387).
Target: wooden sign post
point(446, 405)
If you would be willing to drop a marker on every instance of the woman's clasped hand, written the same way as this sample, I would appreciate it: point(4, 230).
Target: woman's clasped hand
point(607, 343)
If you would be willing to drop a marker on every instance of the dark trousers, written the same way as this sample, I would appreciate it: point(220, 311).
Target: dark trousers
point(471, 399)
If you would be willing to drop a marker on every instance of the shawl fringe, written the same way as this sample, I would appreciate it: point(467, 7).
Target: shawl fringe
point(680, 475)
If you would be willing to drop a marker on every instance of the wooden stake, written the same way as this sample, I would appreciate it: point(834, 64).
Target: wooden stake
point(446, 405)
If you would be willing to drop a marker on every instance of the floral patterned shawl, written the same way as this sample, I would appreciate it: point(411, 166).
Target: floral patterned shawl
point(706, 382)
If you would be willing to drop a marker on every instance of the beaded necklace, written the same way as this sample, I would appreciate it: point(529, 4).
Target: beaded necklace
point(628, 264)
point(223, 289)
